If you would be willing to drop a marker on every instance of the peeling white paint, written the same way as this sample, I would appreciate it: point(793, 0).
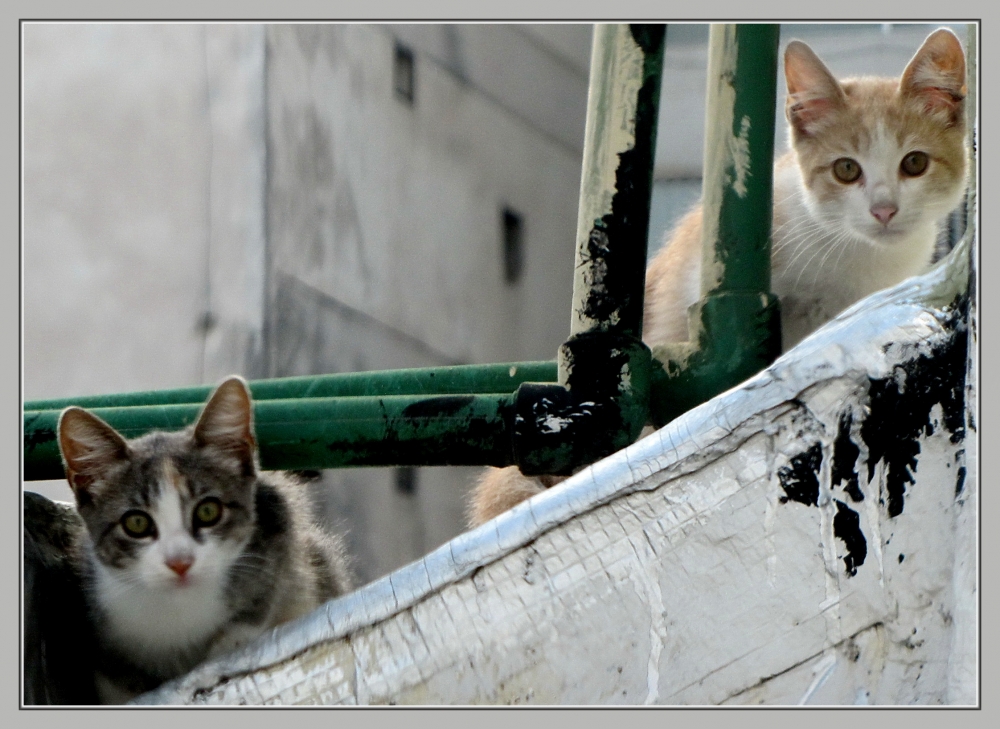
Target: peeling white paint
point(740, 153)
point(719, 144)
point(553, 424)
point(625, 382)
point(829, 608)
point(610, 131)
point(648, 587)
point(822, 671)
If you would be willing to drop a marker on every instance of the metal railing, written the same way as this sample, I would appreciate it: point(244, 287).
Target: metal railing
point(736, 327)
point(605, 385)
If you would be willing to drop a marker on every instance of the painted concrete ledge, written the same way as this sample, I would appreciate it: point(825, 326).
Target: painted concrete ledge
point(807, 537)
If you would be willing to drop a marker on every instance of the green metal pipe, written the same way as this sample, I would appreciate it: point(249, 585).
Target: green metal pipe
point(739, 158)
point(736, 327)
point(322, 432)
point(455, 380)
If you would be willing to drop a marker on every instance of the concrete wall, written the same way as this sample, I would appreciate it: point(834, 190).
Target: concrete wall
point(392, 210)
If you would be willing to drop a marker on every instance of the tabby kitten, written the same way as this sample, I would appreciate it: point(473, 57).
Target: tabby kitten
point(875, 167)
point(190, 551)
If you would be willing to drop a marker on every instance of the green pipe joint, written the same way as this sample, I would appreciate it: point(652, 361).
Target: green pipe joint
point(601, 409)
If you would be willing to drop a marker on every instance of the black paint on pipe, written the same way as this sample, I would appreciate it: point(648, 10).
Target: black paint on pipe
point(615, 252)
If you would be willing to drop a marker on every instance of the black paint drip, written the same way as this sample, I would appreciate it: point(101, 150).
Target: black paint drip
point(847, 526)
point(798, 479)
point(901, 406)
point(845, 458)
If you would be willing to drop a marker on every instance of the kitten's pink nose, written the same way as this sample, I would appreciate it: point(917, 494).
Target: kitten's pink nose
point(884, 213)
point(180, 565)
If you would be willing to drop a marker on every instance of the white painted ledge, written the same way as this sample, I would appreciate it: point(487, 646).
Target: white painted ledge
point(677, 571)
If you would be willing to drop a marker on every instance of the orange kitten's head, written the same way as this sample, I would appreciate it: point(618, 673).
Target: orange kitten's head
point(880, 158)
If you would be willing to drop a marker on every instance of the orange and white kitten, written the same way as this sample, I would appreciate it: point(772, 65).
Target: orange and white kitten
point(874, 168)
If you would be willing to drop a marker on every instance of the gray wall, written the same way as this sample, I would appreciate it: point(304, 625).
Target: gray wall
point(392, 211)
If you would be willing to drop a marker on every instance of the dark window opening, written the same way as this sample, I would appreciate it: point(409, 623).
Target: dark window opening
point(402, 73)
point(513, 246)
point(406, 479)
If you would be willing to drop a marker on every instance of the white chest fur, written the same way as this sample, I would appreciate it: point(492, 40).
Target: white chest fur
point(160, 619)
point(154, 613)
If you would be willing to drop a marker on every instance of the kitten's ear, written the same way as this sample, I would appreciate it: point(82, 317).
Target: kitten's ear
point(226, 424)
point(935, 76)
point(90, 448)
point(813, 92)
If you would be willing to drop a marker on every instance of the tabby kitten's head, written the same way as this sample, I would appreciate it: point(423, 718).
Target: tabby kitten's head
point(881, 159)
point(166, 511)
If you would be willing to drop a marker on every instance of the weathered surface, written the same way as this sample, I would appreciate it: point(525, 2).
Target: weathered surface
point(767, 547)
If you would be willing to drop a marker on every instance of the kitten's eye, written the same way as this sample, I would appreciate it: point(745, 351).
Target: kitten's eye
point(137, 524)
point(208, 512)
point(914, 164)
point(846, 169)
